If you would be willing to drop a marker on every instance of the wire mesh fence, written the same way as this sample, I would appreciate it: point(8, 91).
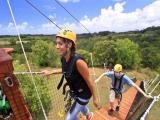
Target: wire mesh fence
point(52, 99)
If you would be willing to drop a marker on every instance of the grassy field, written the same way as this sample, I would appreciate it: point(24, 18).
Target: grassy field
point(4, 42)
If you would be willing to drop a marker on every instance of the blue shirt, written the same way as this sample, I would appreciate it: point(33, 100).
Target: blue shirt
point(125, 80)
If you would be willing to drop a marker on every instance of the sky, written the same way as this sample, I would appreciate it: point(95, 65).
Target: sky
point(95, 15)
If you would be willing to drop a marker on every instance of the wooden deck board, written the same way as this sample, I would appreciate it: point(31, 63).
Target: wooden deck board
point(127, 101)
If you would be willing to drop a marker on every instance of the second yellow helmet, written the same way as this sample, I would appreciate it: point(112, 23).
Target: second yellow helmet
point(118, 68)
point(68, 34)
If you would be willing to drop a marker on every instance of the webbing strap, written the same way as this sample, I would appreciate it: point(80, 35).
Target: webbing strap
point(61, 82)
point(64, 88)
point(81, 102)
point(117, 92)
point(115, 82)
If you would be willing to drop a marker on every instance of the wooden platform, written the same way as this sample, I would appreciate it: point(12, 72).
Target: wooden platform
point(127, 101)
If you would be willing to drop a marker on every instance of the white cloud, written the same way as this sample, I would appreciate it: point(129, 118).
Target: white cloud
point(23, 28)
point(52, 17)
point(47, 28)
point(115, 19)
point(49, 8)
point(65, 1)
point(119, 7)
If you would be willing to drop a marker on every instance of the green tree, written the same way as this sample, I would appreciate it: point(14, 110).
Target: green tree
point(28, 89)
point(86, 55)
point(151, 57)
point(53, 57)
point(122, 51)
point(45, 54)
point(127, 53)
point(104, 52)
point(40, 50)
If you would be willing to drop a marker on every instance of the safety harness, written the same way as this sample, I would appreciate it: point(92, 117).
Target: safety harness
point(75, 83)
point(117, 91)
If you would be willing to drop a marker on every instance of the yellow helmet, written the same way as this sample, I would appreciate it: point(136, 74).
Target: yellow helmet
point(68, 34)
point(118, 68)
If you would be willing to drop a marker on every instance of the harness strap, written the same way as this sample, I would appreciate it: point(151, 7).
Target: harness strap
point(69, 105)
point(117, 92)
point(61, 82)
point(81, 102)
point(72, 107)
point(120, 83)
point(64, 88)
point(62, 78)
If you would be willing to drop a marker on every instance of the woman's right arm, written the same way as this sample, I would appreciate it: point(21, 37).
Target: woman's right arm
point(50, 72)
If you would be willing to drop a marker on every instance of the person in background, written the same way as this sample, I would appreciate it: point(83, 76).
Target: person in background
point(118, 80)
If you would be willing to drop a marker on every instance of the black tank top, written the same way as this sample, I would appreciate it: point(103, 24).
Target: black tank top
point(73, 77)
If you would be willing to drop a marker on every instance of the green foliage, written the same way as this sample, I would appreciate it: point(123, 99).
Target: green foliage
point(127, 53)
point(86, 44)
point(44, 54)
point(29, 91)
point(86, 55)
point(122, 51)
point(151, 57)
point(40, 49)
point(52, 57)
point(104, 51)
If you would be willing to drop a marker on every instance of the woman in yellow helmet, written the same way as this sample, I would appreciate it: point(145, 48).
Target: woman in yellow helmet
point(118, 80)
point(76, 73)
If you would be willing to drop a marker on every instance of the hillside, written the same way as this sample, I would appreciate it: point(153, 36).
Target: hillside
point(147, 43)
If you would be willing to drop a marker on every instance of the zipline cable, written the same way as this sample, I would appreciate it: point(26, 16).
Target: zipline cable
point(72, 16)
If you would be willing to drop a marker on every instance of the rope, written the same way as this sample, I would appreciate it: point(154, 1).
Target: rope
point(26, 59)
point(155, 86)
point(42, 13)
point(149, 108)
point(104, 65)
point(159, 95)
point(94, 74)
point(148, 82)
point(72, 16)
point(152, 81)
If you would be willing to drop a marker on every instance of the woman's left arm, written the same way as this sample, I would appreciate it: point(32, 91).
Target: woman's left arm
point(84, 71)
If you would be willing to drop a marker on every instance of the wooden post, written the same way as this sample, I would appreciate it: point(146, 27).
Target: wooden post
point(10, 86)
